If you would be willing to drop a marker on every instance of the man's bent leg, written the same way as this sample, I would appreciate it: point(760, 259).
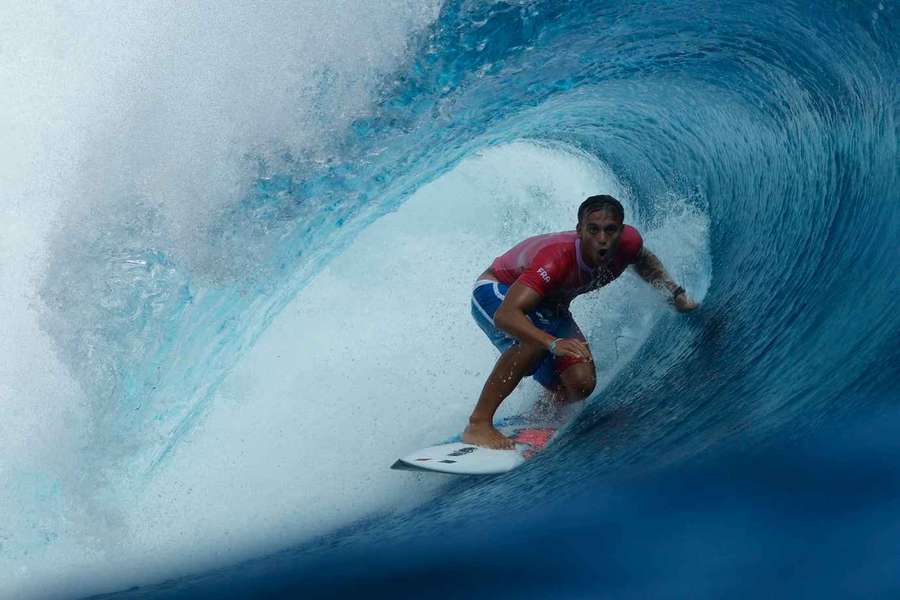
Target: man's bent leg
point(579, 381)
point(576, 382)
point(511, 367)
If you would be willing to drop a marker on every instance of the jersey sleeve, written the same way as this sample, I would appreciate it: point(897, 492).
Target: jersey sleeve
point(630, 245)
point(547, 269)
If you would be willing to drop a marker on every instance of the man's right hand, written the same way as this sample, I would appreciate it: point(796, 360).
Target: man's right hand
point(573, 348)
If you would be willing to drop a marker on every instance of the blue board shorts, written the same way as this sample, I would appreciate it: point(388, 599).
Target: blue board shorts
point(486, 299)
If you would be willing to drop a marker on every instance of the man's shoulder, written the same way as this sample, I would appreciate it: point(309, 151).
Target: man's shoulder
point(562, 240)
point(631, 234)
point(555, 246)
point(630, 242)
point(558, 236)
point(551, 260)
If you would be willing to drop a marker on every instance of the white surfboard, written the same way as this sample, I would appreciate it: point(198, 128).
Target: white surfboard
point(461, 459)
point(458, 458)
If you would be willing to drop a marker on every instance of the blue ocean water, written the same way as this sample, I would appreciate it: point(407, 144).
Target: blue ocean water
point(746, 449)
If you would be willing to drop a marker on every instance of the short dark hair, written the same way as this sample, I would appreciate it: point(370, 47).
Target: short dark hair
point(601, 202)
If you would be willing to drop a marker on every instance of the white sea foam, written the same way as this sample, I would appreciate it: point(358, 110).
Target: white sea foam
point(106, 110)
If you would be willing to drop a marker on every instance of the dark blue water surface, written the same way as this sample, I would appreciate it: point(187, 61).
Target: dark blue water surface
point(753, 450)
point(808, 519)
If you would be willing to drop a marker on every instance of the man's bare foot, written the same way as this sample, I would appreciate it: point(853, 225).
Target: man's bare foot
point(484, 434)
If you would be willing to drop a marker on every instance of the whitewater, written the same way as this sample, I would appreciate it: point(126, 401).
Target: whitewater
point(236, 250)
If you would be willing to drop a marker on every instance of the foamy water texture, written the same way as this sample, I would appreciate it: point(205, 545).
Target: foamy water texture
point(139, 118)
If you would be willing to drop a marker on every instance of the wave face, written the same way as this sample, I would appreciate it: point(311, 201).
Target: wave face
point(755, 144)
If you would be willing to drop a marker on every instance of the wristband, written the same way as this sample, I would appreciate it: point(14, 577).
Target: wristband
point(677, 292)
point(552, 346)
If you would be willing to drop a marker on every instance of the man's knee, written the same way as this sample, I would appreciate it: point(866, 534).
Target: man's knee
point(584, 387)
point(579, 380)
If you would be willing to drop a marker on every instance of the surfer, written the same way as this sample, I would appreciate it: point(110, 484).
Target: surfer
point(521, 302)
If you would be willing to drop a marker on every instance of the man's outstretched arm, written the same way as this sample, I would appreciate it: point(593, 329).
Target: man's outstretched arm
point(651, 270)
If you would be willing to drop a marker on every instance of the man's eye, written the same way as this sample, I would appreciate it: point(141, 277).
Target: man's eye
point(610, 229)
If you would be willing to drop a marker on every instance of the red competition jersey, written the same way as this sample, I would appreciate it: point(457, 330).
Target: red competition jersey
point(552, 265)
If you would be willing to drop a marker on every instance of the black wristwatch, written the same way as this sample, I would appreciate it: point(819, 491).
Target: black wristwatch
point(677, 292)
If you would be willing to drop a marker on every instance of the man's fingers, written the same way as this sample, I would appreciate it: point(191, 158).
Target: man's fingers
point(575, 348)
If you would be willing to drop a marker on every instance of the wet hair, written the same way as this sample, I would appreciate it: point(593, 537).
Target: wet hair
point(601, 202)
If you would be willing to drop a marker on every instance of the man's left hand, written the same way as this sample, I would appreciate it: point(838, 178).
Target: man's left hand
point(683, 303)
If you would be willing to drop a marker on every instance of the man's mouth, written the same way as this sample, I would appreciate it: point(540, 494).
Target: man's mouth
point(601, 252)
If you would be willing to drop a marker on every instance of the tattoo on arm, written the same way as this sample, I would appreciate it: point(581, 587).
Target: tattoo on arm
point(651, 270)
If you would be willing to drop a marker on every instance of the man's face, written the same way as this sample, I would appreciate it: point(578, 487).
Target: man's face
point(599, 232)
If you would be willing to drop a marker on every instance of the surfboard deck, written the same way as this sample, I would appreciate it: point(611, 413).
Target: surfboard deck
point(458, 458)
